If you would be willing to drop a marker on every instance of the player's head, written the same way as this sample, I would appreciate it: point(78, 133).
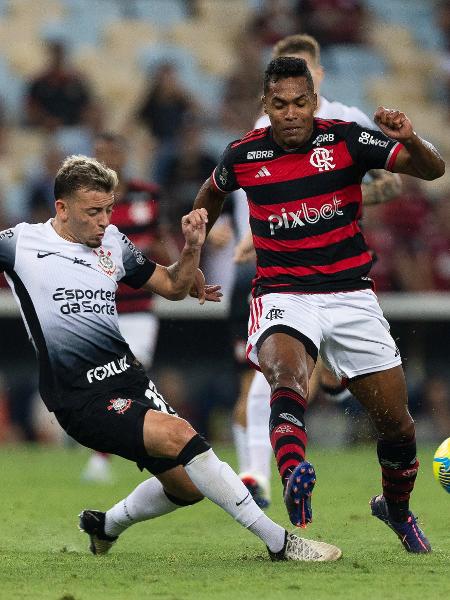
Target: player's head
point(84, 199)
point(111, 150)
point(303, 46)
point(289, 100)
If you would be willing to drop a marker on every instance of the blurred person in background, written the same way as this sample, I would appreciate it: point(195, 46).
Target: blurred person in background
point(136, 214)
point(163, 110)
point(188, 164)
point(333, 21)
point(60, 96)
point(312, 289)
point(39, 186)
point(252, 408)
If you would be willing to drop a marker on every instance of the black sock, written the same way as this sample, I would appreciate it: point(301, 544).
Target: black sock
point(399, 466)
point(287, 430)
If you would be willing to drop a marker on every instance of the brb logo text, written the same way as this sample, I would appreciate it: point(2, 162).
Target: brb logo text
point(305, 214)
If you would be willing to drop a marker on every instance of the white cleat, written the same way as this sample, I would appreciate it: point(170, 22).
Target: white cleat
point(301, 549)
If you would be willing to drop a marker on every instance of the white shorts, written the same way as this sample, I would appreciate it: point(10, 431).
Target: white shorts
point(140, 331)
point(347, 329)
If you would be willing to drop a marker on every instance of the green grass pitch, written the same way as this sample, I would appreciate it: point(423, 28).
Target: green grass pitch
point(199, 552)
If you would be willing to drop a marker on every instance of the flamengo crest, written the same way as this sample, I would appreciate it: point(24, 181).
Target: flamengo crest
point(322, 159)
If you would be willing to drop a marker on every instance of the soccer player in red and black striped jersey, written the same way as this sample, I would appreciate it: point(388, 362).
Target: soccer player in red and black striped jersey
point(312, 292)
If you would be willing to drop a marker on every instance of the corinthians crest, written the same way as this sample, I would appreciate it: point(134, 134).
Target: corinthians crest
point(120, 405)
point(105, 262)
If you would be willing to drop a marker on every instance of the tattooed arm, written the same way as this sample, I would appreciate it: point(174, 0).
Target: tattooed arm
point(184, 276)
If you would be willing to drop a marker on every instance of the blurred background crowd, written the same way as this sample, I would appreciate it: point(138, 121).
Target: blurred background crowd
point(177, 80)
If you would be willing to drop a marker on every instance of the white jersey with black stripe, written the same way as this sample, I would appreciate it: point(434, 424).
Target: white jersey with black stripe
point(66, 293)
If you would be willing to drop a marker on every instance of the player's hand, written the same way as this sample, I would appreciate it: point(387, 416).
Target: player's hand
point(193, 226)
point(393, 123)
point(204, 292)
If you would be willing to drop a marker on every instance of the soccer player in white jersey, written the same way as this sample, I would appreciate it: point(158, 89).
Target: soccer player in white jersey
point(64, 275)
point(252, 411)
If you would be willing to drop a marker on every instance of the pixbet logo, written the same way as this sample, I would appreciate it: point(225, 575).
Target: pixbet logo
point(115, 367)
point(290, 220)
point(322, 159)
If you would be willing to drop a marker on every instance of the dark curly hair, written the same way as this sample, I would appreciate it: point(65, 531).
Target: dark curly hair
point(284, 67)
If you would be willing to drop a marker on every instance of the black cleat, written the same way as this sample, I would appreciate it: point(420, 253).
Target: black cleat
point(92, 522)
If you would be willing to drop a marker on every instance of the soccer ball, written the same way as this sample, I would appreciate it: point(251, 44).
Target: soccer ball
point(441, 465)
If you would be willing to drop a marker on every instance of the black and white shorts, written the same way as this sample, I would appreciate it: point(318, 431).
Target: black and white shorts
point(115, 424)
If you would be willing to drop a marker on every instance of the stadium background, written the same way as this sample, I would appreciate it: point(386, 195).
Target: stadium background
point(390, 52)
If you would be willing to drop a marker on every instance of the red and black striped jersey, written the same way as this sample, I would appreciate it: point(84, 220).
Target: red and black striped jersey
point(136, 215)
point(305, 204)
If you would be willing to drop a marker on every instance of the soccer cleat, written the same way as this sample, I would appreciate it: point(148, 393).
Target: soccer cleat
point(92, 522)
point(258, 486)
point(408, 532)
point(297, 494)
point(297, 548)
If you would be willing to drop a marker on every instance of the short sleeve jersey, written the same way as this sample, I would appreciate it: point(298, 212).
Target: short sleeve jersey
point(305, 204)
point(66, 293)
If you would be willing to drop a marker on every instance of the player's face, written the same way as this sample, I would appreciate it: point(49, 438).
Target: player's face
point(86, 216)
point(290, 105)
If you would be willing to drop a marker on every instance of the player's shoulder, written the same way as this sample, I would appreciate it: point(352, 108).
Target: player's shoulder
point(16, 230)
point(343, 112)
point(250, 139)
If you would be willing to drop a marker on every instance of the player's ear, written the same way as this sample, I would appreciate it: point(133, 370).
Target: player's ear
point(61, 209)
point(263, 100)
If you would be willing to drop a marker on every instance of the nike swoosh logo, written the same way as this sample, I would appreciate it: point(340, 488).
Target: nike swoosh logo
point(45, 254)
point(239, 503)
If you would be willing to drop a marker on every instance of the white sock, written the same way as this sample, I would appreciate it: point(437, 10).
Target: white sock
point(240, 444)
point(217, 481)
point(258, 416)
point(147, 501)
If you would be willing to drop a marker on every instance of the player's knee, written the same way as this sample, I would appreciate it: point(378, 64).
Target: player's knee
point(166, 435)
point(399, 430)
point(183, 495)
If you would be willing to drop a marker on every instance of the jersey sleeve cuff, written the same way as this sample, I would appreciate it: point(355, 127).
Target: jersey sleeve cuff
point(138, 279)
point(393, 155)
point(214, 182)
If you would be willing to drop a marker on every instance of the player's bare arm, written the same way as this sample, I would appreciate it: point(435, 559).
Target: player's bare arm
point(385, 186)
point(245, 251)
point(210, 198)
point(418, 157)
point(177, 280)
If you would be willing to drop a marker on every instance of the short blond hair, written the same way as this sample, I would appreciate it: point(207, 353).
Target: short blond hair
point(79, 172)
point(297, 44)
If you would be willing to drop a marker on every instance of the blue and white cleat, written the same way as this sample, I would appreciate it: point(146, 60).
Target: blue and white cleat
point(297, 494)
point(259, 488)
point(408, 532)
